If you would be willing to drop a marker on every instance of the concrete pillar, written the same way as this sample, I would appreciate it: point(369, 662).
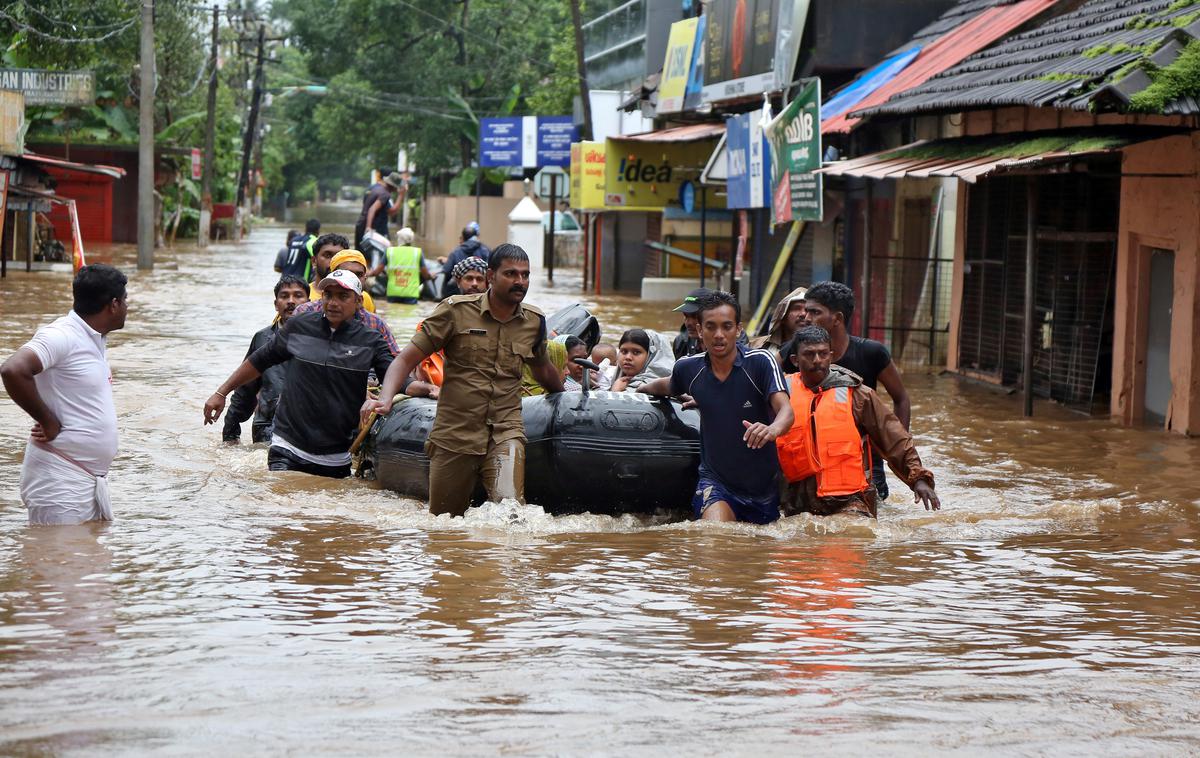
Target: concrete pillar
point(525, 231)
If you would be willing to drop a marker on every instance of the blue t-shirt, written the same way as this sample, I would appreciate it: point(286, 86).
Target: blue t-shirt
point(743, 396)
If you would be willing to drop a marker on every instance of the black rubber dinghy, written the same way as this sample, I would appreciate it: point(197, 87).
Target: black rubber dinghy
point(599, 452)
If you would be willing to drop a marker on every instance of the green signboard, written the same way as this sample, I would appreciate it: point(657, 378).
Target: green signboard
point(795, 139)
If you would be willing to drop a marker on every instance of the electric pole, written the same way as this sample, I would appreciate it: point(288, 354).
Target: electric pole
point(251, 130)
point(577, 22)
point(210, 137)
point(146, 142)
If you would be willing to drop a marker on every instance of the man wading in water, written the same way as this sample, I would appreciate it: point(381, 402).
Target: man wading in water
point(479, 432)
point(61, 378)
point(825, 456)
point(259, 397)
point(743, 405)
point(328, 357)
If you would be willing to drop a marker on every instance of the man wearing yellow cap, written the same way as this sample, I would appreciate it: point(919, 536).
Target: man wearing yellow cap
point(332, 256)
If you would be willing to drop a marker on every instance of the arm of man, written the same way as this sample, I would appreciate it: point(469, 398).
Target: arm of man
point(895, 444)
point(394, 380)
point(17, 373)
point(891, 381)
point(659, 387)
point(271, 354)
point(375, 206)
point(760, 434)
point(241, 406)
point(546, 375)
point(425, 275)
point(540, 366)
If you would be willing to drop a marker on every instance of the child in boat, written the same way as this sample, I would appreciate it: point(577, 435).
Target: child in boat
point(576, 348)
point(604, 355)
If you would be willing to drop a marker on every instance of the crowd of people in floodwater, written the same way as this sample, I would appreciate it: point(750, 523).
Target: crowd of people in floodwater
point(789, 420)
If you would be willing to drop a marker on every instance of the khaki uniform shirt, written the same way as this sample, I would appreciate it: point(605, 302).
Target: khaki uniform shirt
point(480, 402)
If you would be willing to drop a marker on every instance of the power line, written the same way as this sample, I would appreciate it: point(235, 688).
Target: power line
point(65, 40)
point(74, 26)
point(464, 30)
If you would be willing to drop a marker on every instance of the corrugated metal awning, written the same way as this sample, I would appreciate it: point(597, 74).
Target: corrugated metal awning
point(950, 49)
point(971, 159)
point(113, 172)
point(689, 133)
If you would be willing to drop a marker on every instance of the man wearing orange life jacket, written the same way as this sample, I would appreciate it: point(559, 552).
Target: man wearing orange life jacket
point(824, 457)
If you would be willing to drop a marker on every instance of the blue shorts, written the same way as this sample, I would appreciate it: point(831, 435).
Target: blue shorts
point(757, 510)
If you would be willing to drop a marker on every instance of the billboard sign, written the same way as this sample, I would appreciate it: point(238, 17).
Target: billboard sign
point(526, 141)
point(746, 153)
point(751, 46)
point(677, 66)
point(641, 175)
point(42, 87)
point(795, 139)
point(587, 176)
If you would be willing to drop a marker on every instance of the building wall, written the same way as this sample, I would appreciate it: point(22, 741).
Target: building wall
point(446, 215)
point(1160, 208)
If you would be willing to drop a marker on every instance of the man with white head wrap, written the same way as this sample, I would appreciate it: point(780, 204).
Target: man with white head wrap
point(406, 270)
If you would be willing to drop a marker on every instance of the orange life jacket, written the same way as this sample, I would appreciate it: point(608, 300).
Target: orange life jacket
point(824, 440)
point(435, 365)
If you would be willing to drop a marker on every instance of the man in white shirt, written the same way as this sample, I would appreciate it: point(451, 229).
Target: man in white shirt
point(62, 379)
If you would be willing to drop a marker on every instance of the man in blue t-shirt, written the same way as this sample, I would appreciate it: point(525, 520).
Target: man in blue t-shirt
point(744, 407)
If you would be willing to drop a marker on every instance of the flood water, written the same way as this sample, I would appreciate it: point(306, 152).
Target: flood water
point(1051, 608)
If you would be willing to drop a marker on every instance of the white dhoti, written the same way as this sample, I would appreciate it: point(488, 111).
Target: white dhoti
point(57, 490)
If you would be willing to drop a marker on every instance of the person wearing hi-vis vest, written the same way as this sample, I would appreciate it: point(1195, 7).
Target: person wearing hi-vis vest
point(825, 457)
point(406, 270)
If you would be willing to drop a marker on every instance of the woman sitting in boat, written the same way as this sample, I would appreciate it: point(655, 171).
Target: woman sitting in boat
point(643, 357)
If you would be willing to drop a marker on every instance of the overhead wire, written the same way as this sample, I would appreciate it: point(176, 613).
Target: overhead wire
point(21, 26)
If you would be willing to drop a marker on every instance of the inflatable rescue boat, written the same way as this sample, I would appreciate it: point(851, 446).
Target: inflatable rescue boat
point(600, 452)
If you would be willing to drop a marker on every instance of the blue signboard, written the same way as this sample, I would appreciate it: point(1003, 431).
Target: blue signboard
point(528, 141)
point(554, 137)
point(746, 150)
point(695, 86)
point(500, 142)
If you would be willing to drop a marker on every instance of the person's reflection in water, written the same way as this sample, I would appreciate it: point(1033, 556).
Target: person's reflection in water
point(814, 592)
point(66, 575)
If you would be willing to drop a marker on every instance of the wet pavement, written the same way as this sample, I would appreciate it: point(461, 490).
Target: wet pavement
point(1049, 609)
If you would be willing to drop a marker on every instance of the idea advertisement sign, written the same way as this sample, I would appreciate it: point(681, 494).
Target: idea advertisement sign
point(197, 164)
point(641, 175)
point(795, 140)
point(526, 141)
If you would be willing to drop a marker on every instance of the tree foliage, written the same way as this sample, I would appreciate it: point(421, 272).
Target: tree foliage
point(420, 72)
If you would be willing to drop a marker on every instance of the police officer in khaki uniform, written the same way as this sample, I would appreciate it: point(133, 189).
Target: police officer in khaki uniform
point(478, 431)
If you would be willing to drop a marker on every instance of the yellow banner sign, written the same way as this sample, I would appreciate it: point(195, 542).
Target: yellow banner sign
point(647, 175)
point(677, 66)
point(587, 176)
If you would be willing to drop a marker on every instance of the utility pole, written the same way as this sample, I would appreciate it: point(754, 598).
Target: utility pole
point(577, 22)
point(251, 130)
point(146, 142)
point(210, 137)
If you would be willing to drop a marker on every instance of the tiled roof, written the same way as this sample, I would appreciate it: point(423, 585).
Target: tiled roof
point(1093, 56)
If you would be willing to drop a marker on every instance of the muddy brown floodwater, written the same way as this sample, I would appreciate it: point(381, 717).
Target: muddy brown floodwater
point(1051, 608)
